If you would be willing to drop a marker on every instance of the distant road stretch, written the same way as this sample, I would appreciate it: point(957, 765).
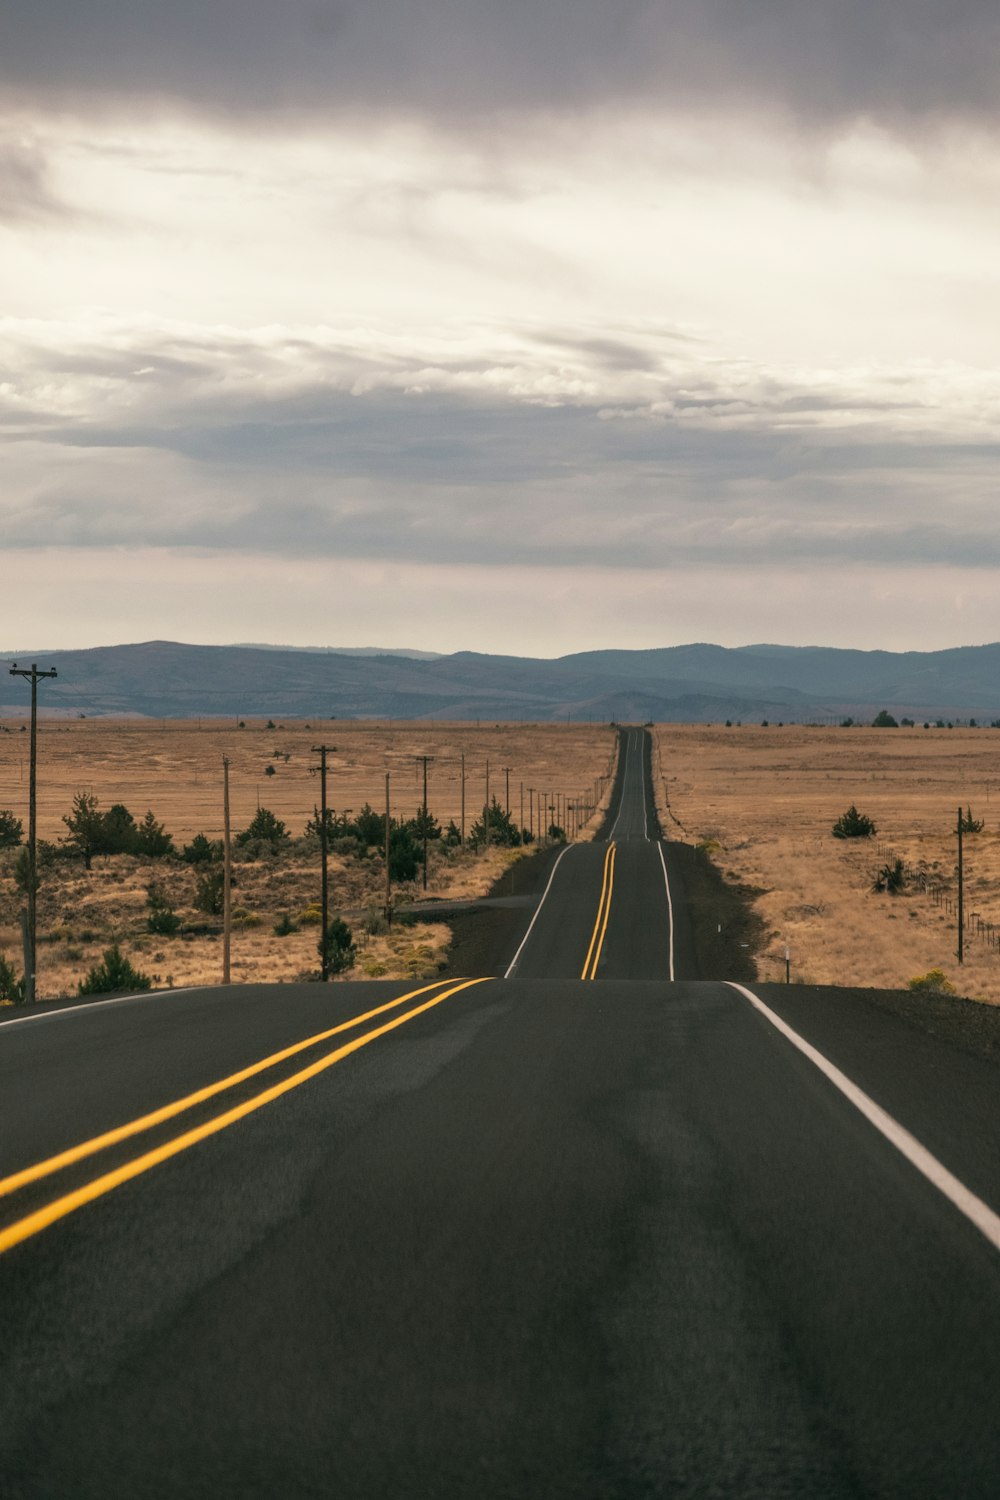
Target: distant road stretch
point(589, 1228)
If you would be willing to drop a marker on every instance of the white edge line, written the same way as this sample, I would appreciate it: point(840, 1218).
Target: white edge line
point(74, 1010)
point(517, 955)
point(642, 779)
point(624, 771)
point(670, 909)
point(974, 1209)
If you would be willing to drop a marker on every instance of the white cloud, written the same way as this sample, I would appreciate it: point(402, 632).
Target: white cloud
point(638, 345)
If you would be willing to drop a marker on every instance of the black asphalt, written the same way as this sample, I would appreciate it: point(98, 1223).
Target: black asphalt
point(552, 1237)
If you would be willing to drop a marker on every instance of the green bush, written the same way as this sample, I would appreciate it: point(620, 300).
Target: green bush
point(501, 826)
point(338, 825)
point(209, 890)
point(113, 832)
point(285, 925)
point(968, 824)
point(884, 720)
point(22, 871)
point(339, 946)
point(405, 853)
point(151, 838)
point(11, 988)
point(162, 918)
point(11, 829)
point(202, 850)
point(891, 878)
point(424, 821)
point(854, 825)
point(264, 828)
point(369, 826)
point(115, 973)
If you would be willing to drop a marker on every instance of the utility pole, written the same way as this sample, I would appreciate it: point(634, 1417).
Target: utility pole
point(463, 799)
point(388, 847)
point(321, 751)
point(425, 759)
point(522, 812)
point(227, 873)
point(30, 929)
point(961, 894)
point(531, 811)
point(506, 800)
point(486, 809)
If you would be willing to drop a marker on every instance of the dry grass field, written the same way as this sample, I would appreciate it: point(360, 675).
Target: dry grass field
point(768, 797)
point(175, 769)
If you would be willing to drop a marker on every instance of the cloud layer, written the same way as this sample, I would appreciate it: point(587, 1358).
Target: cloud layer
point(897, 60)
point(658, 293)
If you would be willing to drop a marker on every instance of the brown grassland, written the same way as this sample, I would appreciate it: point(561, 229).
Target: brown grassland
point(175, 769)
point(764, 800)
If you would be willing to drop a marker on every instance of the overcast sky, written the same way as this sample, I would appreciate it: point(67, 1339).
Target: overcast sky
point(515, 325)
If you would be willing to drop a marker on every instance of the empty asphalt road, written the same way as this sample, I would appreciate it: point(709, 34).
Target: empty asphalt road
point(590, 1227)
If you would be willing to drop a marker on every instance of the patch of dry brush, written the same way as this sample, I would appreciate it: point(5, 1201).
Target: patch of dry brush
point(768, 799)
point(175, 769)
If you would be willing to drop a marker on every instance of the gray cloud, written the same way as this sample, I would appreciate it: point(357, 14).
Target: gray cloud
point(25, 195)
point(894, 60)
point(448, 479)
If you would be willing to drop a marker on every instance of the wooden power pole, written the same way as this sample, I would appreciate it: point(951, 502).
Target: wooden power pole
point(321, 751)
point(227, 874)
point(961, 894)
point(388, 852)
point(29, 927)
point(425, 759)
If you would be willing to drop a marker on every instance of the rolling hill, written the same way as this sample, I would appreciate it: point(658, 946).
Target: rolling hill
point(701, 682)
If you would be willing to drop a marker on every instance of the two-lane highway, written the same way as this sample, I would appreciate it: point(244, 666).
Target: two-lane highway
point(582, 1232)
point(607, 910)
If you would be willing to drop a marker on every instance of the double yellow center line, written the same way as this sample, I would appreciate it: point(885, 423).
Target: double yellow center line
point(60, 1207)
point(603, 913)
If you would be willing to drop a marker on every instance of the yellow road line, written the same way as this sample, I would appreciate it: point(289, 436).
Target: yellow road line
point(178, 1106)
point(603, 912)
point(607, 913)
point(32, 1224)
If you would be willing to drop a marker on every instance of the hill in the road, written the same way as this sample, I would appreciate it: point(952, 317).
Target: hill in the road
point(673, 684)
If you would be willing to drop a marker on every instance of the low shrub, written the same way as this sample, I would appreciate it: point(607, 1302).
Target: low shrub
point(162, 918)
point(285, 926)
point(11, 829)
point(263, 828)
point(933, 982)
point(339, 946)
point(243, 918)
point(202, 850)
point(891, 877)
point(11, 988)
point(115, 973)
point(854, 825)
point(208, 891)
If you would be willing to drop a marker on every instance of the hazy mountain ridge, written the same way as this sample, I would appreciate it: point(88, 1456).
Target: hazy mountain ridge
point(168, 679)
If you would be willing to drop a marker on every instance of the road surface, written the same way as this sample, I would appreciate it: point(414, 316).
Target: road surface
point(580, 1229)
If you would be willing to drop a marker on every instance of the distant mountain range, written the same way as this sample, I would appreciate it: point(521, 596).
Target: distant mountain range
point(672, 684)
